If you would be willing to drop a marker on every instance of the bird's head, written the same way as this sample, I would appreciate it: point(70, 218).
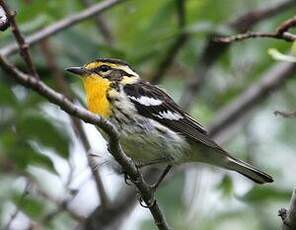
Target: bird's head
point(99, 77)
point(105, 71)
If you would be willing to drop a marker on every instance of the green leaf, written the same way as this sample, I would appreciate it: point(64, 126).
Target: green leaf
point(7, 97)
point(263, 194)
point(38, 128)
point(278, 56)
point(226, 185)
point(293, 49)
point(21, 153)
point(29, 205)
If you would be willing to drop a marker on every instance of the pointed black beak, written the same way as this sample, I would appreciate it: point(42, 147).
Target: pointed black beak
point(77, 70)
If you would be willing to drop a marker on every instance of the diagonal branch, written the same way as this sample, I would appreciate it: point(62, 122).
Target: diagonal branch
point(76, 123)
point(145, 191)
point(23, 47)
point(61, 25)
point(270, 81)
point(101, 24)
point(173, 50)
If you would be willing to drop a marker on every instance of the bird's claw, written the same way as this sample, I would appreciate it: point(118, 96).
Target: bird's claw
point(150, 204)
point(127, 179)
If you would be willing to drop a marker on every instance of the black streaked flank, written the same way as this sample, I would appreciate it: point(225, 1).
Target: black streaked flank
point(184, 125)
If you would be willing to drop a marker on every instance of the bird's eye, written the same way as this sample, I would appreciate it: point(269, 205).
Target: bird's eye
point(104, 68)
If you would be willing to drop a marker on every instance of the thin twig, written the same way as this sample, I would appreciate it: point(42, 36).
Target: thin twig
point(145, 191)
point(285, 114)
point(61, 25)
point(76, 124)
point(23, 46)
point(19, 205)
point(174, 49)
point(101, 24)
point(289, 216)
point(213, 50)
point(281, 33)
point(61, 206)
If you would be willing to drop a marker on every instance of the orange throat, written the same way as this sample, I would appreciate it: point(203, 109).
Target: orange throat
point(96, 95)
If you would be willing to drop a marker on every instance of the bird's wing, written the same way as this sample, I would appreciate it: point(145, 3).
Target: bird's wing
point(152, 102)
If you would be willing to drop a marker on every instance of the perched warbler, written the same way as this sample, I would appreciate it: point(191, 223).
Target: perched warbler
point(153, 128)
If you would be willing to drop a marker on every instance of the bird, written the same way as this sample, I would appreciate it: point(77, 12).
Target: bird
point(153, 128)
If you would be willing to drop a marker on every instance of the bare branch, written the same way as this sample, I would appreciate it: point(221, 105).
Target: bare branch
point(281, 33)
point(240, 37)
point(76, 123)
point(285, 114)
point(289, 216)
point(145, 191)
point(61, 25)
point(173, 50)
point(23, 47)
point(213, 50)
point(101, 24)
point(272, 80)
point(61, 206)
point(286, 25)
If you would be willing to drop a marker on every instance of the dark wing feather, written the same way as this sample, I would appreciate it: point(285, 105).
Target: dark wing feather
point(185, 125)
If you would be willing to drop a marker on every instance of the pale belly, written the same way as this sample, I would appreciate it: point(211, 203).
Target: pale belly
point(144, 143)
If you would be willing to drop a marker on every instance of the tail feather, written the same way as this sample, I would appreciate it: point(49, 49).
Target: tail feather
point(248, 170)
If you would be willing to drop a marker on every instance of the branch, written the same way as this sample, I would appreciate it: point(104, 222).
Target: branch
point(145, 191)
point(281, 33)
point(289, 216)
point(23, 47)
point(76, 123)
point(213, 50)
point(19, 205)
point(173, 50)
point(61, 206)
point(272, 80)
point(285, 114)
point(61, 25)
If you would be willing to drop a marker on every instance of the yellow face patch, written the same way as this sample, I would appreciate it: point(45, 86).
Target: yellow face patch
point(96, 91)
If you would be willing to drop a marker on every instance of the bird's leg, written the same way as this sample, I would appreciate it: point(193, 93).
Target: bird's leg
point(162, 176)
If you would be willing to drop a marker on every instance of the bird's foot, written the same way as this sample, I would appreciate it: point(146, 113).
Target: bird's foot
point(144, 204)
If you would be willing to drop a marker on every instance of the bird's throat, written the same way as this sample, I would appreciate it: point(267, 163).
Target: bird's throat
point(96, 95)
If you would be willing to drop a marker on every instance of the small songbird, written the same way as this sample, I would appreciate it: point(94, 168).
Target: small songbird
point(153, 128)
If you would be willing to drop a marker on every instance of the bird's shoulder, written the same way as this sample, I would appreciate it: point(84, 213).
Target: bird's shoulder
point(154, 103)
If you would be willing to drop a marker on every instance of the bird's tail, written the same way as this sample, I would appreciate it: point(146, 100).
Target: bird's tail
point(248, 171)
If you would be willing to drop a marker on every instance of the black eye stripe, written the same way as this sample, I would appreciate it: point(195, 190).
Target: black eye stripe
point(102, 68)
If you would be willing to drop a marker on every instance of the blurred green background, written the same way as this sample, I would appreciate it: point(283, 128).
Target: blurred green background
point(38, 145)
